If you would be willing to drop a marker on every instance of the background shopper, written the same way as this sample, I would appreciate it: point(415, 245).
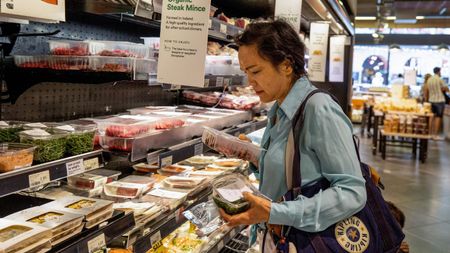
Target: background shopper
point(434, 93)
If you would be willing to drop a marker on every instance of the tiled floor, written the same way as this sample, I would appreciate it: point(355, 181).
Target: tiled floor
point(421, 191)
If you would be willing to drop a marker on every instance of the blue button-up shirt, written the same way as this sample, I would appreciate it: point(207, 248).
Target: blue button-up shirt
point(327, 151)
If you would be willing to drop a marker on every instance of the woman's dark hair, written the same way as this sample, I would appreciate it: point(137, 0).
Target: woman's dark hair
point(276, 41)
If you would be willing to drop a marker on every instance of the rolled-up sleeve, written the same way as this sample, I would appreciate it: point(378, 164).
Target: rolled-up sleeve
point(328, 134)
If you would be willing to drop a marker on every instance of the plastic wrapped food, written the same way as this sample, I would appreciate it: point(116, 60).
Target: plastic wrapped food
point(69, 63)
point(15, 156)
point(81, 139)
point(126, 126)
point(227, 193)
point(202, 214)
point(231, 146)
point(21, 237)
point(50, 147)
point(111, 175)
point(83, 192)
point(87, 181)
point(27, 61)
point(9, 131)
point(129, 187)
point(183, 182)
point(199, 161)
point(176, 169)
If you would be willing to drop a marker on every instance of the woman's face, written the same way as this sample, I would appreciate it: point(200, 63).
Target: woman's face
point(270, 82)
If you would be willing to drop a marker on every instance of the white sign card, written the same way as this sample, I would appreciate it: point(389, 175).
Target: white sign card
point(289, 10)
point(318, 44)
point(410, 77)
point(184, 37)
point(336, 70)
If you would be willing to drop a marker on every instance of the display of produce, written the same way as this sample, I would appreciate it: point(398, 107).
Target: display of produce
point(80, 139)
point(9, 131)
point(49, 146)
point(68, 47)
point(62, 224)
point(95, 211)
point(15, 156)
point(21, 237)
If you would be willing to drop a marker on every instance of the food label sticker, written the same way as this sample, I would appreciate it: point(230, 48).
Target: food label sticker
point(166, 161)
point(156, 237)
point(220, 245)
point(233, 192)
point(91, 164)
point(39, 178)
point(206, 84)
point(210, 24)
point(227, 81)
point(219, 81)
point(198, 149)
point(75, 167)
point(223, 28)
point(96, 244)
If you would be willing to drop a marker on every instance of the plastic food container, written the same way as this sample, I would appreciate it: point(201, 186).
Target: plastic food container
point(227, 193)
point(15, 156)
point(183, 182)
point(129, 187)
point(116, 143)
point(26, 61)
point(118, 49)
point(49, 147)
point(111, 64)
point(69, 62)
point(9, 131)
point(125, 127)
point(87, 181)
point(81, 139)
point(146, 66)
point(152, 42)
point(87, 193)
point(151, 109)
point(21, 237)
point(68, 47)
point(111, 175)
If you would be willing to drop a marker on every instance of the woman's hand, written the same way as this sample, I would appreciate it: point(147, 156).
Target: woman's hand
point(258, 212)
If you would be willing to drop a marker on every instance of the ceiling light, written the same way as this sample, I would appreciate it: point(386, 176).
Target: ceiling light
point(391, 18)
point(442, 48)
point(365, 18)
point(395, 48)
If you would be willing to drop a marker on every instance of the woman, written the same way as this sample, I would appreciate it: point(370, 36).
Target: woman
point(272, 56)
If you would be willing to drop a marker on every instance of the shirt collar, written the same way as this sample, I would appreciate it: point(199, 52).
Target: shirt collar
point(295, 97)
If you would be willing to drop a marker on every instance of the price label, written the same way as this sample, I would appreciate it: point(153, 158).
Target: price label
point(97, 244)
point(210, 24)
point(223, 28)
point(219, 81)
point(39, 178)
point(198, 149)
point(227, 81)
point(75, 167)
point(206, 83)
point(155, 238)
point(166, 161)
point(91, 164)
point(153, 159)
point(220, 245)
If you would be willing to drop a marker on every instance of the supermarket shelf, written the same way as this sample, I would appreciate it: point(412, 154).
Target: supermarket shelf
point(116, 226)
point(42, 174)
point(221, 244)
point(188, 149)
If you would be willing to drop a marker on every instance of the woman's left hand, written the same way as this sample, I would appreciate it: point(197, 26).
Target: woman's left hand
point(258, 212)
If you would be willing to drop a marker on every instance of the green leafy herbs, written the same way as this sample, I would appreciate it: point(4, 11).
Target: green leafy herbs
point(47, 149)
point(10, 134)
point(79, 143)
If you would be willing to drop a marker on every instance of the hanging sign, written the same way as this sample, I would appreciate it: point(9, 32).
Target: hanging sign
point(336, 70)
point(318, 44)
point(184, 37)
point(289, 10)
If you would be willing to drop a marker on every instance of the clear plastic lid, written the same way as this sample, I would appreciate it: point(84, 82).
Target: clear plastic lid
point(118, 49)
point(68, 47)
point(27, 61)
point(111, 64)
point(39, 134)
point(69, 63)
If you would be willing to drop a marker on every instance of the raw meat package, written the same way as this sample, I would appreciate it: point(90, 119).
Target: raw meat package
point(35, 61)
point(68, 47)
point(231, 146)
point(21, 237)
point(199, 161)
point(95, 211)
point(183, 182)
point(62, 224)
point(118, 49)
point(129, 187)
point(86, 181)
point(15, 156)
point(176, 169)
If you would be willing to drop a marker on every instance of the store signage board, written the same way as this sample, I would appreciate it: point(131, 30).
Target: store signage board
point(336, 70)
point(318, 44)
point(184, 37)
point(289, 10)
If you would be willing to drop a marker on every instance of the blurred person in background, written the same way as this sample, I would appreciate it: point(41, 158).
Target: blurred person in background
point(434, 93)
point(422, 90)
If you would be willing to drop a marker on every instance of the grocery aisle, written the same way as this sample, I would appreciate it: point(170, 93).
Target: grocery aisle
point(421, 191)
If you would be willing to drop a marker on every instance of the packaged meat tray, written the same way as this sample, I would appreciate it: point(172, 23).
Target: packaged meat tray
point(119, 49)
point(111, 175)
point(231, 146)
point(69, 63)
point(9, 131)
point(129, 187)
point(125, 127)
point(15, 156)
point(183, 182)
point(116, 143)
point(68, 47)
point(111, 64)
point(27, 61)
point(87, 181)
point(58, 221)
point(82, 192)
point(176, 169)
point(49, 147)
point(95, 211)
point(21, 237)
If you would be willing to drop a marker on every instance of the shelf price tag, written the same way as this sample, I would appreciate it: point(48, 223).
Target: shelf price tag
point(91, 164)
point(39, 178)
point(223, 28)
point(75, 167)
point(198, 149)
point(219, 81)
point(166, 161)
point(97, 244)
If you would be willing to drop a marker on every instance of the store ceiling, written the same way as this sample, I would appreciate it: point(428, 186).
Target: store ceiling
point(403, 14)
